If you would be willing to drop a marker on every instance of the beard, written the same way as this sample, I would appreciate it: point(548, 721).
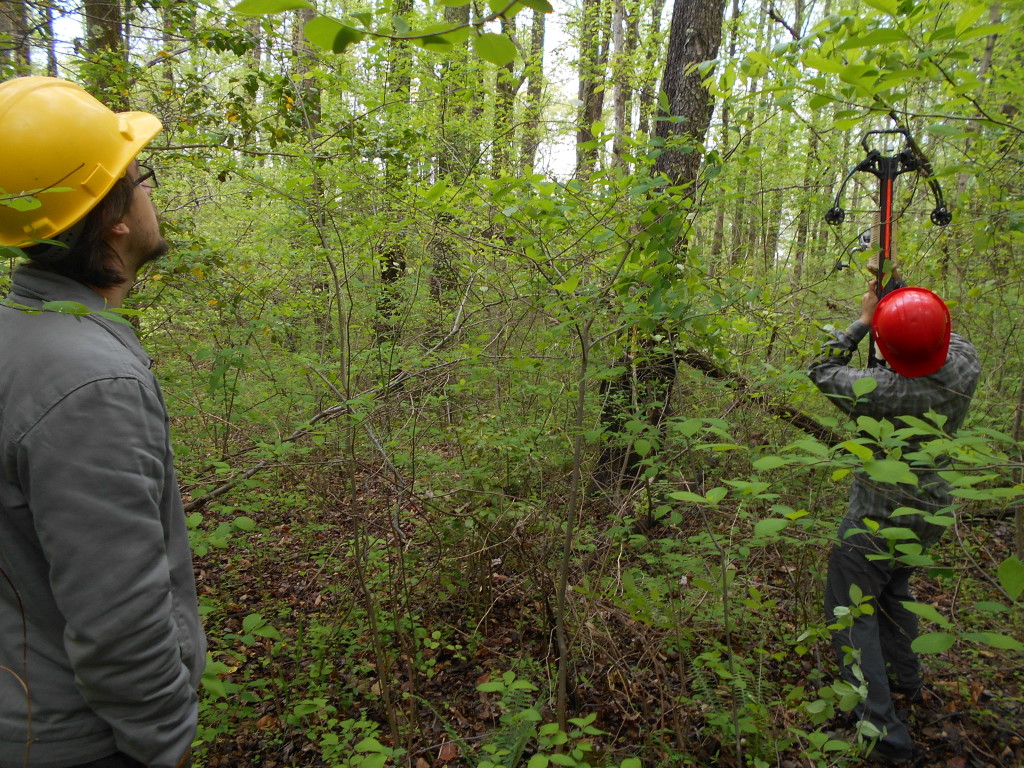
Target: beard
point(156, 251)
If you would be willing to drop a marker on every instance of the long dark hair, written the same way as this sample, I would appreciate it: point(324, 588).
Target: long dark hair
point(88, 258)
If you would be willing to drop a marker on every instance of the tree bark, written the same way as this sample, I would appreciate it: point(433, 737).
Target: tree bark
point(593, 47)
point(503, 126)
point(458, 147)
point(14, 37)
point(391, 257)
point(105, 45)
point(533, 108)
point(620, 84)
point(644, 391)
point(694, 38)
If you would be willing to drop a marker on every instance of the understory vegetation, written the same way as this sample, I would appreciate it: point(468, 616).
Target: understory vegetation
point(492, 424)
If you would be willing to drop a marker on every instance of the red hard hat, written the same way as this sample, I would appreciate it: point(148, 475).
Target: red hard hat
point(911, 328)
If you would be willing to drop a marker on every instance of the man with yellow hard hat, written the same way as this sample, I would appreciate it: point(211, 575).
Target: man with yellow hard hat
point(101, 649)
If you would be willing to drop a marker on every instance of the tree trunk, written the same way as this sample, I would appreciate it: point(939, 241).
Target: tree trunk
point(694, 37)
point(533, 108)
point(391, 257)
point(14, 38)
point(503, 126)
point(649, 87)
point(718, 239)
point(644, 391)
point(105, 47)
point(51, 41)
point(620, 84)
point(593, 46)
point(458, 149)
point(804, 217)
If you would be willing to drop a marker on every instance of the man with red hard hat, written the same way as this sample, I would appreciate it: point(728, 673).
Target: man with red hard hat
point(101, 649)
point(931, 374)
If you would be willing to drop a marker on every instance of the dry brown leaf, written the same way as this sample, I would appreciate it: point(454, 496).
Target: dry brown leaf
point(448, 752)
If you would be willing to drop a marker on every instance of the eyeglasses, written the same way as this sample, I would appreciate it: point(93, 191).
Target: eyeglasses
point(147, 179)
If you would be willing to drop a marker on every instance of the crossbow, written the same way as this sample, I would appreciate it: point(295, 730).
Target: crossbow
point(887, 168)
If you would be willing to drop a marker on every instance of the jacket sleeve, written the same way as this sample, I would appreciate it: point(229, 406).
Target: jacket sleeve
point(93, 471)
point(893, 396)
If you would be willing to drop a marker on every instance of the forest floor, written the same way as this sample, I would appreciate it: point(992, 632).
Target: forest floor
point(307, 669)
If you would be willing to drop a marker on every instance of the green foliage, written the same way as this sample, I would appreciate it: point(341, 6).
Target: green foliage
point(424, 457)
point(336, 36)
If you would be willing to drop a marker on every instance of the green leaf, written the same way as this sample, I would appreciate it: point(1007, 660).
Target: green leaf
point(253, 621)
point(770, 527)
point(885, 6)
point(862, 452)
point(539, 5)
point(863, 386)
point(244, 523)
point(889, 471)
point(495, 48)
point(538, 761)
point(66, 308)
point(330, 34)
point(715, 495)
point(435, 43)
point(971, 15)
point(769, 462)
point(933, 642)
point(1011, 576)
point(114, 317)
point(926, 612)
point(569, 285)
point(268, 7)
point(990, 606)
point(370, 744)
point(689, 496)
point(995, 640)
point(433, 194)
point(401, 26)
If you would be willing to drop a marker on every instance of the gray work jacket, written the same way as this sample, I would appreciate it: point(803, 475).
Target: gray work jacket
point(98, 610)
point(948, 392)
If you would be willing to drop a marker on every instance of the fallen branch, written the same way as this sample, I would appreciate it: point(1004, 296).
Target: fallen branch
point(798, 419)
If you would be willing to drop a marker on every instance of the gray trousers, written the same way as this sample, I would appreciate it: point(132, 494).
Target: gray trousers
point(883, 637)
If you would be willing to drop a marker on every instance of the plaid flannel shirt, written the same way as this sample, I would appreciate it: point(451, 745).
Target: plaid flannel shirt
point(948, 392)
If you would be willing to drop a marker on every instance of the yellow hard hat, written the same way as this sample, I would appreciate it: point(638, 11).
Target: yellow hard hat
point(61, 152)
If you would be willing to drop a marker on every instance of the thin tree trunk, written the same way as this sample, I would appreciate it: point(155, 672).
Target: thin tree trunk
point(503, 130)
point(649, 88)
point(718, 239)
point(458, 149)
point(51, 41)
point(392, 256)
point(533, 108)
point(593, 46)
point(620, 84)
point(15, 49)
point(804, 216)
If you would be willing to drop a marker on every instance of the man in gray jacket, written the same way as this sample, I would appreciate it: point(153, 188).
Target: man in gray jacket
point(101, 649)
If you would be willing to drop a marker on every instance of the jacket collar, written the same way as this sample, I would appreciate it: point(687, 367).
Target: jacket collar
point(32, 287)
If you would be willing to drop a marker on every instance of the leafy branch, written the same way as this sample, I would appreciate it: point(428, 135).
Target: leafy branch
point(334, 35)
